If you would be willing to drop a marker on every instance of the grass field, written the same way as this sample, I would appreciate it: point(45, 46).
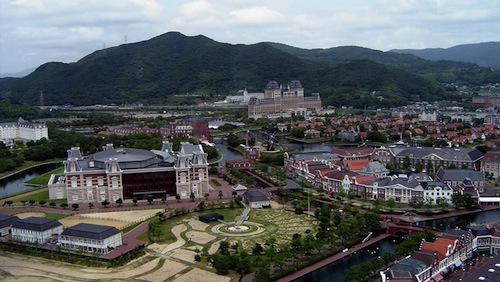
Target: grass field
point(42, 179)
point(40, 196)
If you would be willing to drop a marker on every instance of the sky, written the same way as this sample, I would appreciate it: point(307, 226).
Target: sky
point(34, 32)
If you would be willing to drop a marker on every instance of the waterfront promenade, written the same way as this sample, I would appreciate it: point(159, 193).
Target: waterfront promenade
point(332, 259)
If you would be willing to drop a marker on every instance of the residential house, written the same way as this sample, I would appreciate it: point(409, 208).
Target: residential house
point(490, 163)
point(434, 190)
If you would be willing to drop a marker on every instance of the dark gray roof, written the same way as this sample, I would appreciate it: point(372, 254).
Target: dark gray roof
point(189, 149)
point(255, 196)
point(272, 85)
point(430, 185)
point(295, 84)
point(445, 154)
point(90, 231)
point(407, 268)
point(124, 155)
point(459, 175)
point(7, 220)
point(403, 181)
point(36, 223)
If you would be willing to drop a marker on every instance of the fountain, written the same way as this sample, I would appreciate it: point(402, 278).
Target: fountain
point(238, 228)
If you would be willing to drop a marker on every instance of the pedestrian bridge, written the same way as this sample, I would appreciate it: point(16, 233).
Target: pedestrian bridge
point(405, 229)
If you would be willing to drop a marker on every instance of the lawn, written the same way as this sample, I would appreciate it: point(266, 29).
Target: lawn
point(40, 196)
point(43, 179)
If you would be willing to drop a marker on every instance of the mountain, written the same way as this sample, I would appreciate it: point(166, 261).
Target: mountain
point(161, 70)
point(461, 73)
point(485, 54)
point(17, 74)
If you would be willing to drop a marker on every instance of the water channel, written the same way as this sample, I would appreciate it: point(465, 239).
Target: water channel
point(15, 183)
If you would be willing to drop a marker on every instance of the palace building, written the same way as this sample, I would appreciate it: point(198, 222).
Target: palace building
point(127, 173)
point(282, 101)
point(22, 130)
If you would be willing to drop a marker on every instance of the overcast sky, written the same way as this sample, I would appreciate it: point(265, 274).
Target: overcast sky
point(33, 32)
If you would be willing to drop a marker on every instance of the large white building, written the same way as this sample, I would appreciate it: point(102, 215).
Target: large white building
point(36, 230)
point(92, 238)
point(22, 130)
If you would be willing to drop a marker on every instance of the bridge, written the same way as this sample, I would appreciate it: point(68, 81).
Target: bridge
point(405, 229)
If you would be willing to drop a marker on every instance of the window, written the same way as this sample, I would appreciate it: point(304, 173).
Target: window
point(88, 181)
point(75, 197)
point(201, 174)
point(100, 181)
point(74, 182)
point(114, 182)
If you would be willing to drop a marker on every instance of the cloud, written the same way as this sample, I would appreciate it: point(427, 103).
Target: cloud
point(257, 15)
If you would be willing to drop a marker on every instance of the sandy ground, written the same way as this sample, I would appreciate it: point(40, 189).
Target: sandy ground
point(200, 275)
point(167, 270)
point(200, 237)
point(119, 220)
point(24, 215)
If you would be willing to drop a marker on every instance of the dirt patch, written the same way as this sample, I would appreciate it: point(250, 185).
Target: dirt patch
point(168, 269)
point(198, 225)
point(24, 215)
point(75, 219)
point(199, 237)
point(127, 216)
point(195, 274)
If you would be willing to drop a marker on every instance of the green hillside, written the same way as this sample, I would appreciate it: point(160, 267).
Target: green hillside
point(157, 70)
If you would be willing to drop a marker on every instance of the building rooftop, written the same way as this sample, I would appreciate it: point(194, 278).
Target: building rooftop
point(90, 231)
point(36, 224)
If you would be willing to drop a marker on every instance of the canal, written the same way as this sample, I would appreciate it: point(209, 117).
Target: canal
point(15, 183)
point(336, 270)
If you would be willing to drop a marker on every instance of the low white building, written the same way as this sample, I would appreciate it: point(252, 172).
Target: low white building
point(433, 190)
point(91, 238)
point(256, 199)
point(35, 230)
point(6, 222)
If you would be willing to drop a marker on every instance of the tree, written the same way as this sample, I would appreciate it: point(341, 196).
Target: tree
point(192, 196)
point(32, 202)
point(224, 247)
point(64, 205)
point(9, 202)
point(105, 203)
point(75, 206)
point(161, 216)
point(206, 196)
point(233, 140)
point(42, 203)
point(164, 199)
point(391, 203)
point(150, 199)
point(376, 136)
point(178, 197)
point(220, 194)
point(134, 200)
point(119, 201)
point(234, 193)
point(52, 204)
point(197, 257)
point(298, 132)
point(257, 250)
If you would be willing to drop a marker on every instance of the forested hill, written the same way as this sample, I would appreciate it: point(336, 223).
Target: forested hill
point(444, 69)
point(159, 69)
point(486, 54)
